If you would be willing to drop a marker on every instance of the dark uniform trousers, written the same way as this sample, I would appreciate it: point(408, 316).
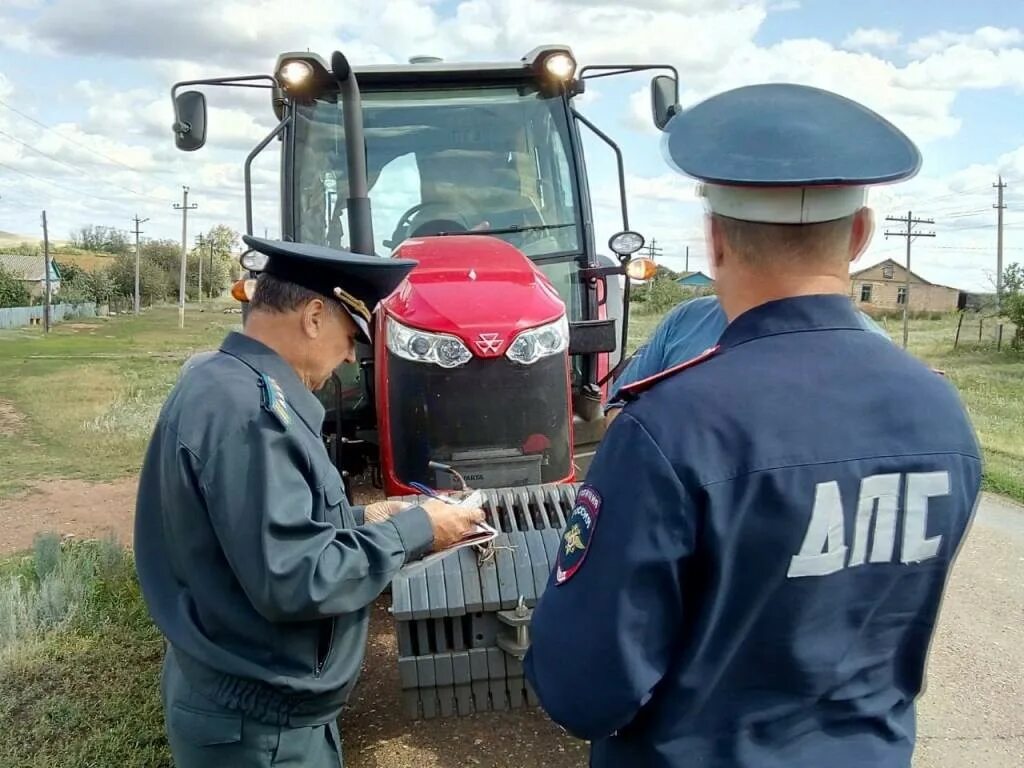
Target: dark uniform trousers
point(204, 734)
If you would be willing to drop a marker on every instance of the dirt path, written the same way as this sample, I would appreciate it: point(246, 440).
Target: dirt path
point(68, 507)
point(11, 421)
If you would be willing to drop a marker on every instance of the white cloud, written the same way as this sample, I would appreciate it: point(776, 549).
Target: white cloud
point(988, 38)
point(962, 67)
point(669, 187)
point(639, 116)
point(863, 39)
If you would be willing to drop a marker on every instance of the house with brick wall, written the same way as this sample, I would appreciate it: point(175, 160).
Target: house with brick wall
point(884, 286)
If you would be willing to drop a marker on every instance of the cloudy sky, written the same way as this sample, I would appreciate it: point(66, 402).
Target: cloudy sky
point(85, 110)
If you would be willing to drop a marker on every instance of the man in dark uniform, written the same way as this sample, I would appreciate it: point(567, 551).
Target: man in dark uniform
point(251, 561)
point(752, 572)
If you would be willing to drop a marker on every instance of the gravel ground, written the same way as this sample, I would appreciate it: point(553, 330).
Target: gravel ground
point(970, 715)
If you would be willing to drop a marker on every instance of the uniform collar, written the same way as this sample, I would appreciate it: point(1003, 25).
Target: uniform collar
point(800, 313)
point(263, 359)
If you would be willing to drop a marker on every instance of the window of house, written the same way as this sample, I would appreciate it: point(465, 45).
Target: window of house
point(901, 295)
point(865, 293)
point(887, 272)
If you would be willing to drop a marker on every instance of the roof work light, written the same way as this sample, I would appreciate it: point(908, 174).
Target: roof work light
point(560, 65)
point(302, 74)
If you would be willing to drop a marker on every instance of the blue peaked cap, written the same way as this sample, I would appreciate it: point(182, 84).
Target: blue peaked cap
point(787, 138)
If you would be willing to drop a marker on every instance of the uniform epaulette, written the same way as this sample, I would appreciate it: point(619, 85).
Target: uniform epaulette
point(274, 400)
point(630, 391)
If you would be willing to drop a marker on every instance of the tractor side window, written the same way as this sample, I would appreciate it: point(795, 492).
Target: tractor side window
point(564, 276)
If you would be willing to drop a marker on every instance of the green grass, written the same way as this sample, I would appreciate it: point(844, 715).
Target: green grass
point(89, 392)
point(79, 685)
point(990, 382)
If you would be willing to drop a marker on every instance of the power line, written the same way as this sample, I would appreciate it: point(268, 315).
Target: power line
point(69, 139)
point(952, 195)
point(58, 186)
point(76, 168)
point(965, 214)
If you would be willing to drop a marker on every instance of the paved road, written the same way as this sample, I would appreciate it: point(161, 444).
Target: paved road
point(971, 715)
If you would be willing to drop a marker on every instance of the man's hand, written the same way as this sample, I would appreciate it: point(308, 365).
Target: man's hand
point(450, 523)
point(380, 511)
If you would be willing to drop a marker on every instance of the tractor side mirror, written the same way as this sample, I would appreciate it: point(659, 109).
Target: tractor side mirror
point(190, 124)
point(664, 99)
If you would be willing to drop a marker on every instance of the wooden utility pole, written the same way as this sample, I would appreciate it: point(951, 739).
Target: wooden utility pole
point(138, 232)
point(1000, 206)
point(46, 267)
point(199, 254)
point(184, 207)
point(687, 258)
point(910, 234)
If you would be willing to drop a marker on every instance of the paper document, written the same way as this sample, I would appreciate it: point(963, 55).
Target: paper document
point(480, 534)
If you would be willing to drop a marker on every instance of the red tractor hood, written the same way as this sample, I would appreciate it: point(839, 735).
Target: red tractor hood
point(473, 287)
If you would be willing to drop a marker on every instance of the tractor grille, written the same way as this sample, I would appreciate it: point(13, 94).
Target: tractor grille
point(497, 422)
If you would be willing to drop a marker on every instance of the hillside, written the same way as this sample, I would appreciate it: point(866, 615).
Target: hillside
point(60, 250)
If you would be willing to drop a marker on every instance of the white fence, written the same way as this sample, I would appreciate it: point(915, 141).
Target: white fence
point(16, 317)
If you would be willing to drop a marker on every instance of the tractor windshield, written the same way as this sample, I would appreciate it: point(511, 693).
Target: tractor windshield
point(443, 161)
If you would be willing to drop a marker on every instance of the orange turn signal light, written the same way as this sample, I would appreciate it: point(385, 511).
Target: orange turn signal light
point(641, 269)
point(242, 290)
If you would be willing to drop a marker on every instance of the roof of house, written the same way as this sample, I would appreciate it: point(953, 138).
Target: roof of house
point(28, 268)
point(687, 275)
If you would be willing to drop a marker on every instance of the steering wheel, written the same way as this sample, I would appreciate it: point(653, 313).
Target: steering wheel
point(402, 228)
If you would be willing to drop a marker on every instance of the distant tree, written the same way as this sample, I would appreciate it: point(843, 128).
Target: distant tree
point(164, 253)
point(1013, 279)
point(13, 292)
point(154, 280)
point(101, 239)
point(219, 267)
point(68, 272)
point(1013, 301)
point(225, 239)
point(664, 273)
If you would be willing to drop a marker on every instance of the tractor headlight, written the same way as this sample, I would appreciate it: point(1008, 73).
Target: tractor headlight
point(561, 66)
point(424, 347)
point(536, 343)
point(295, 73)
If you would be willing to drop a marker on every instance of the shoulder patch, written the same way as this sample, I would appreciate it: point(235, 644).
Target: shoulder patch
point(631, 390)
point(274, 400)
point(579, 532)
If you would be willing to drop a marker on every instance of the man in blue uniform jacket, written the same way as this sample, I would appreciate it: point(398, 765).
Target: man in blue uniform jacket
point(752, 572)
point(251, 561)
point(687, 330)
